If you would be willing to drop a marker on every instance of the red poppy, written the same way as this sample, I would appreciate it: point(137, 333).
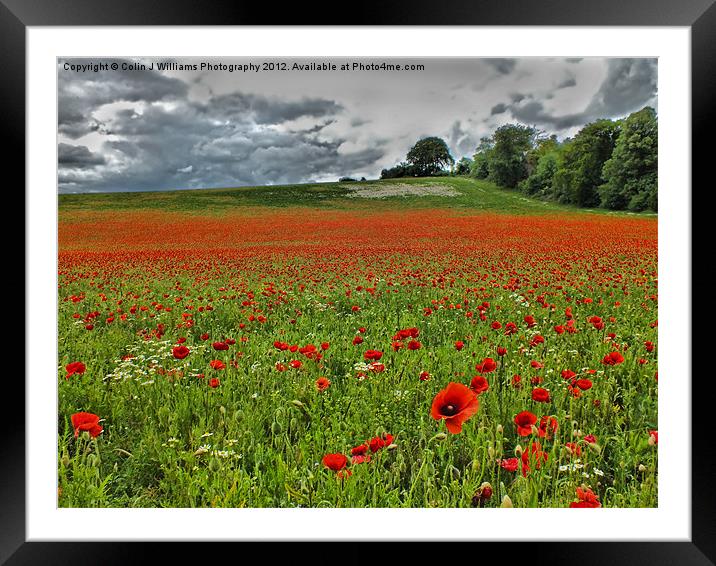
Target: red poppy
point(509, 464)
point(573, 448)
point(376, 443)
point(501, 351)
point(535, 455)
point(613, 359)
point(479, 384)
point(590, 439)
point(456, 403)
point(655, 435)
point(587, 499)
point(204, 336)
point(373, 355)
point(75, 368)
point(220, 346)
point(295, 364)
point(322, 383)
point(335, 462)
point(583, 384)
point(459, 345)
point(424, 376)
point(325, 346)
point(568, 374)
point(487, 365)
point(180, 352)
point(217, 364)
point(524, 422)
point(214, 382)
point(547, 426)
point(510, 328)
point(540, 395)
point(359, 450)
point(414, 345)
point(86, 421)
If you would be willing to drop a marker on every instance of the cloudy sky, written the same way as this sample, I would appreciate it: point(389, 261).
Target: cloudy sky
point(130, 130)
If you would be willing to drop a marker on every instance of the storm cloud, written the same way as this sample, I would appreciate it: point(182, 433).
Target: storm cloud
point(157, 130)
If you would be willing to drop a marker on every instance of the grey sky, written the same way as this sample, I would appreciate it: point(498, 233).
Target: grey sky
point(129, 130)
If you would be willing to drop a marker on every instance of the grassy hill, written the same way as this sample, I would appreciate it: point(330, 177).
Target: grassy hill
point(443, 192)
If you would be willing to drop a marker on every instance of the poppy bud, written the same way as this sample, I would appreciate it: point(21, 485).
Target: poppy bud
point(518, 450)
point(651, 440)
point(65, 460)
point(214, 465)
point(483, 493)
point(440, 436)
point(642, 468)
point(200, 451)
point(239, 416)
point(222, 410)
point(594, 447)
point(506, 502)
point(490, 452)
point(93, 460)
point(392, 446)
point(535, 430)
point(276, 428)
point(500, 429)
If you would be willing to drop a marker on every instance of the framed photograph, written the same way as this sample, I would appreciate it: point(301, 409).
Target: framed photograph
point(417, 278)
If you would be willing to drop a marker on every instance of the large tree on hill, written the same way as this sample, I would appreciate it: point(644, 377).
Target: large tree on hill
point(507, 162)
point(630, 174)
point(430, 156)
point(579, 175)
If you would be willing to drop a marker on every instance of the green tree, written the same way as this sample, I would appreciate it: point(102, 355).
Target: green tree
point(463, 166)
point(630, 174)
point(579, 176)
point(539, 183)
point(400, 170)
point(507, 161)
point(479, 168)
point(429, 156)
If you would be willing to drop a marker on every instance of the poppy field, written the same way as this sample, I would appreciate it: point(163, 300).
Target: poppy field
point(225, 350)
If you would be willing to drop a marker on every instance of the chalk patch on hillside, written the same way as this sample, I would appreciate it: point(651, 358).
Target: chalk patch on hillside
point(399, 190)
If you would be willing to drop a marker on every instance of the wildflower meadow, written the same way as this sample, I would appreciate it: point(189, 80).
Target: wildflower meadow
point(301, 347)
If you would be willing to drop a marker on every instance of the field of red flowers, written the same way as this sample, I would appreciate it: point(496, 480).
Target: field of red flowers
point(293, 357)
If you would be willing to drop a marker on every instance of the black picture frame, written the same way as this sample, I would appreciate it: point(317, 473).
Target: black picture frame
point(698, 15)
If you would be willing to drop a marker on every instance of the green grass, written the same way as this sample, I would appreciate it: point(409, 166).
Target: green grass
point(473, 195)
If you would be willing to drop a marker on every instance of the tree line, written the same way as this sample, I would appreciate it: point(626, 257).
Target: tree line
point(608, 163)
